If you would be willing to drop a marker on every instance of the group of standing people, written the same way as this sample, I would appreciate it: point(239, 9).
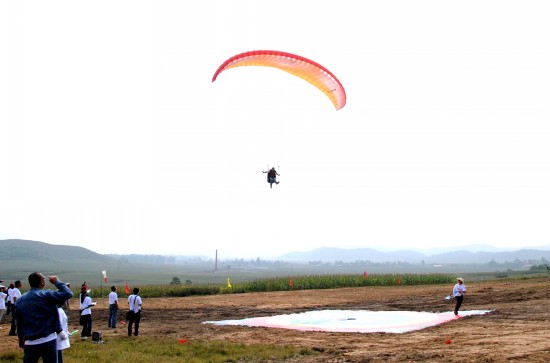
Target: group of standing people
point(133, 316)
point(40, 318)
point(7, 302)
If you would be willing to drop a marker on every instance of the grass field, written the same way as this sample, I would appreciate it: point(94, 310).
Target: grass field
point(151, 349)
point(173, 330)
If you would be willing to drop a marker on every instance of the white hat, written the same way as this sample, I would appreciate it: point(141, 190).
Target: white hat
point(2, 287)
point(460, 279)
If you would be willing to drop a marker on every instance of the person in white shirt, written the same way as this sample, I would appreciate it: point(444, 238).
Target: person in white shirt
point(113, 307)
point(86, 313)
point(458, 292)
point(134, 316)
point(15, 294)
point(2, 301)
point(63, 341)
point(9, 308)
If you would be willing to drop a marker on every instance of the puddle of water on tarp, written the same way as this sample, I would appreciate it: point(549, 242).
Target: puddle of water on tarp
point(357, 321)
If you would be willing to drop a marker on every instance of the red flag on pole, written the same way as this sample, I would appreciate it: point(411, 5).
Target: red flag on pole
point(104, 273)
point(399, 280)
point(290, 282)
point(365, 274)
point(126, 289)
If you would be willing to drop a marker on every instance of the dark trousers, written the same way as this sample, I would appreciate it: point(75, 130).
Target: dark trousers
point(13, 328)
point(112, 315)
point(47, 351)
point(134, 319)
point(87, 326)
point(458, 303)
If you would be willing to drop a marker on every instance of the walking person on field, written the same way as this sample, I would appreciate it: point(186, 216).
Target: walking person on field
point(113, 307)
point(134, 316)
point(458, 292)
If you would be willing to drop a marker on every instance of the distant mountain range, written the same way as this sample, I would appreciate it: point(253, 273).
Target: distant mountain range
point(331, 254)
point(35, 255)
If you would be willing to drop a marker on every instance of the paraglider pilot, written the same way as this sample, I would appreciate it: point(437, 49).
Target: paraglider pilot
point(272, 176)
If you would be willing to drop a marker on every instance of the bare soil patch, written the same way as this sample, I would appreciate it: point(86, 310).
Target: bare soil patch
point(517, 331)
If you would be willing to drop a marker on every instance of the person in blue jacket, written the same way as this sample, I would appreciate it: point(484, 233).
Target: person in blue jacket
point(37, 318)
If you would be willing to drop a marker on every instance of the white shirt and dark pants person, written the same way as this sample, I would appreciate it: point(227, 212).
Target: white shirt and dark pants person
point(15, 294)
point(86, 315)
point(135, 312)
point(458, 292)
point(63, 341)
point(113, 307)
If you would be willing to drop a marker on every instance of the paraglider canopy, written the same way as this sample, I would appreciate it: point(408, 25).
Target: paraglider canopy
point(308, 70)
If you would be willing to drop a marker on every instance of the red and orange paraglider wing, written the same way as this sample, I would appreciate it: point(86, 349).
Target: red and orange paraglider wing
point(304, 68)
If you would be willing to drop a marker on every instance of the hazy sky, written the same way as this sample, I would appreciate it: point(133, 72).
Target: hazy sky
point(114, 138)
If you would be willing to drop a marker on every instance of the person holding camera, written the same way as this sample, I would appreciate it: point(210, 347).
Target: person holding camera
point(134, 315)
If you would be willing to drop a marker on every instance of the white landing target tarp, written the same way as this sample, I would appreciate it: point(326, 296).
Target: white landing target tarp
point(352, 321)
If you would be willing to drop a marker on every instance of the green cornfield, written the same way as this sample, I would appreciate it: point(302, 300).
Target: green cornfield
point(292, 283)
point(311, 282)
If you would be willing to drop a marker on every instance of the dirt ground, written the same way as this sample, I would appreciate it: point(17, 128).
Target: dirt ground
point(517, 331)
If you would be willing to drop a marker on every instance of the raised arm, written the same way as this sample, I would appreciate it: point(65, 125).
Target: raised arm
point(63, 293)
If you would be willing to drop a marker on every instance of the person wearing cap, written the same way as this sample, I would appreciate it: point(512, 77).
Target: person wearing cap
point(37, 318)
point(2, 301)
point(458, 292)
point(85, 312)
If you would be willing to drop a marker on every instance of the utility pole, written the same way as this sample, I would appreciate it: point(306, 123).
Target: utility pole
point(216, 262)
